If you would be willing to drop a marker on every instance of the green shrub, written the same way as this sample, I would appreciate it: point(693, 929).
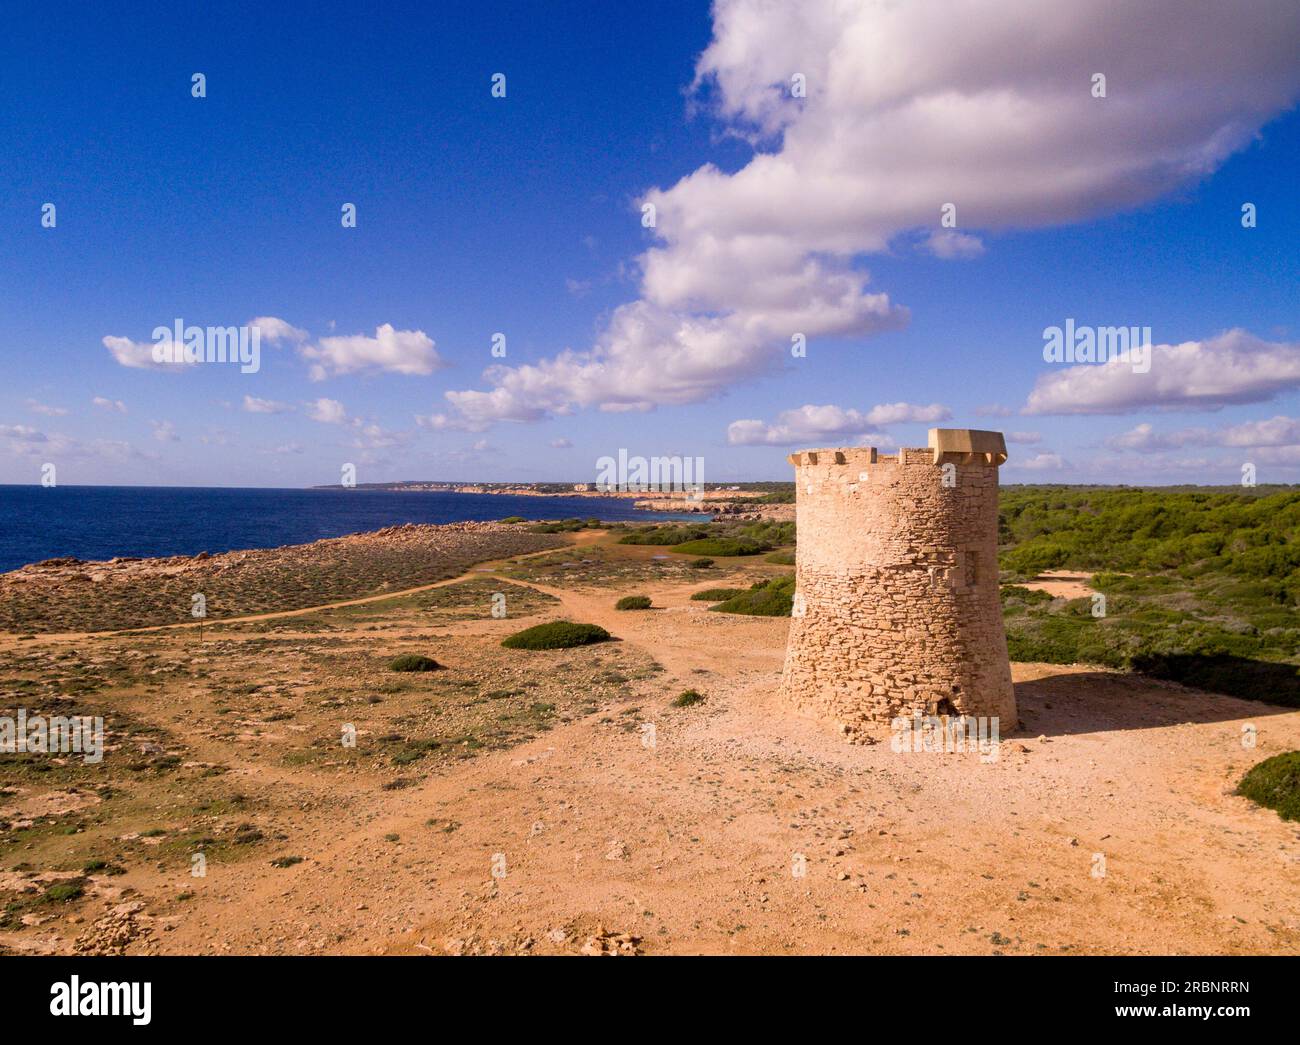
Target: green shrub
point(633, 602)
point(565, 526)
point(722, 546)
point(774, 598)
point(700, 564)
point(413, 662)
point(65, 892)
point(1275, 784)
point(559, 634)
point(717, 594)
point(664, 535)
point(785, 558)
point(513, 519)
point(687, 698)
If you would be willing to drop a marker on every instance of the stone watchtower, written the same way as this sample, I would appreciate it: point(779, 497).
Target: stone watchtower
point(896, 604)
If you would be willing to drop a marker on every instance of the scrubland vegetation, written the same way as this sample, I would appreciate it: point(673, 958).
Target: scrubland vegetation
point(1200, 586)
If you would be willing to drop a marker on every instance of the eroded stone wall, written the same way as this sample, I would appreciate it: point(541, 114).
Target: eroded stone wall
point(896, 606)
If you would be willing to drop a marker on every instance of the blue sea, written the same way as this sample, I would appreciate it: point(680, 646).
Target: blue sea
point(99, 522)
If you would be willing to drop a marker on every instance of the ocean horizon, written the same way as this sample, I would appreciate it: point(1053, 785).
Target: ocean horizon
point(102, 522)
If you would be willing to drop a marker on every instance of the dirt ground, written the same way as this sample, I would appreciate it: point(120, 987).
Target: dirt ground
point(557, 802)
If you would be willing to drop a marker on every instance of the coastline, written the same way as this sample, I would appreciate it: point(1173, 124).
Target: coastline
point(69, 594)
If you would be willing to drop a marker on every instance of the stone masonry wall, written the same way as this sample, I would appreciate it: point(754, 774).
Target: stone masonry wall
point(896, 606)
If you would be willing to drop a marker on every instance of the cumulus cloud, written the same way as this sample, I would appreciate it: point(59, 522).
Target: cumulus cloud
point(810, 423)
point(899, 413)
point(25, 441)
point(115, 405)
point(1024, 438)
point(254, 405)
point(950, 245)
point(275, 331)
point(23, 434)
point(45, 409)
point(1277, 431)
point(1234, 367)
point(891, 129)
point(398, 351)
point(807, 423)
point(164, 431)
point(1042, 462)
point(327, 411)
point(138, 355)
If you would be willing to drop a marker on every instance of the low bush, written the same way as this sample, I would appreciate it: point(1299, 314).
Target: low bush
point(559, 634)
point(633, 602)
point(783, 558)
point(664, 535)
point(717, 594)
point(774, 598)
point(687, 698)
point(413, 662)
point(1275, 784)
point(700, 564)
point(722, 546)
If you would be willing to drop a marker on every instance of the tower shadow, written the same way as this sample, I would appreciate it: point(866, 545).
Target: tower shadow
point(1102, 701)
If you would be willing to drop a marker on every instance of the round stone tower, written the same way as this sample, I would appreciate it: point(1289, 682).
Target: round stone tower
point(896, 607)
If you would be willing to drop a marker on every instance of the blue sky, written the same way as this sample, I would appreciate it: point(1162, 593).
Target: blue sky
point(522, 215)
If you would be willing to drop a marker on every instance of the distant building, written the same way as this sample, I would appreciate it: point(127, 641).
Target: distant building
point(581, 487)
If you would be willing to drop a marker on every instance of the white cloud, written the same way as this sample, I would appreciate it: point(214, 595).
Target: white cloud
point(951, 245)
point(561, 444)
point(1024, 438)
point(327, 411)
point(909, 107)
point(806, 424)
point(275, 331)
point(1043, 462)
point(45, 409)
point(398, 351)
point(900, 413)
point(138, 355)
point(164, 431)
point(1234, 367)
point(810, 423)
point(253, 405)
point(23, 434)
point(1277, 431)
point(115, 405)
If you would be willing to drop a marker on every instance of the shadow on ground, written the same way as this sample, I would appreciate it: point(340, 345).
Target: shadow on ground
point(1100, 701)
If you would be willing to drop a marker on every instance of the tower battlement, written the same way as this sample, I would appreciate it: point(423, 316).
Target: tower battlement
point(958, 445)
point(897, 607)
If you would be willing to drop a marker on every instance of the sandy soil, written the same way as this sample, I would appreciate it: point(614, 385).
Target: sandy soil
point(1106, 825)
point(1062, 584)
